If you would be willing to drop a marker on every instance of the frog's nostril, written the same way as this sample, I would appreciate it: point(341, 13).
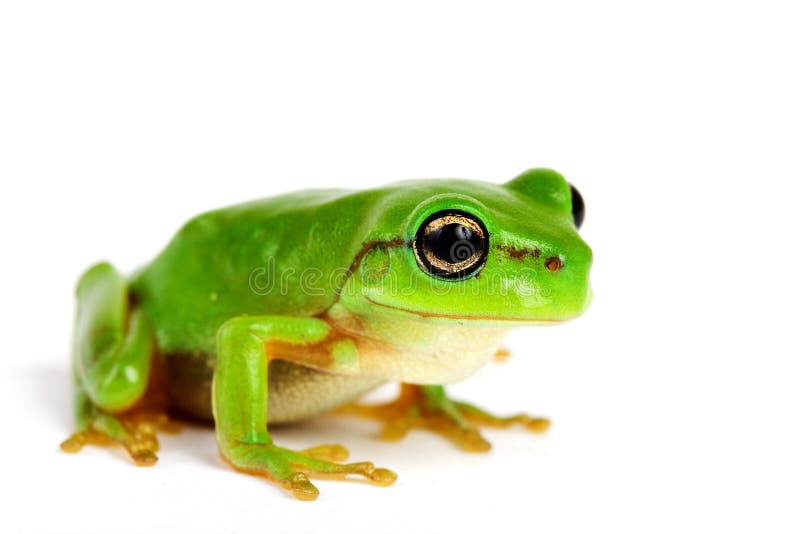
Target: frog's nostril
point(553, 264)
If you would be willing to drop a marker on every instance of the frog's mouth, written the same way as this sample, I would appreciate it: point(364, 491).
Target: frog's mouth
point(456, 317)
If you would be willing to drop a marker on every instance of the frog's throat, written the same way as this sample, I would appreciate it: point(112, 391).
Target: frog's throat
point(455, 317)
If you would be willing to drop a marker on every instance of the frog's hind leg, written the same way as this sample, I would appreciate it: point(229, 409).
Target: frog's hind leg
point(112, 358)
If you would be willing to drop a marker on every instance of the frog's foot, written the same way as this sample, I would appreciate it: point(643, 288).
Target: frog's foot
point(292, 469)
point(427, 407)
point(135, 431)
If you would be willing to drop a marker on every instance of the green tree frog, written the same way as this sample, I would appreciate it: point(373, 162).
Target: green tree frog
point(277, 310)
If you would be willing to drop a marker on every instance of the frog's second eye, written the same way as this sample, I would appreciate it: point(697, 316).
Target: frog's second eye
point(451, 244)
point(578, 208)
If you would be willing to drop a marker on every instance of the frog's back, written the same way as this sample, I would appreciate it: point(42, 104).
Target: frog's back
point(284, 255)
point(251, 259)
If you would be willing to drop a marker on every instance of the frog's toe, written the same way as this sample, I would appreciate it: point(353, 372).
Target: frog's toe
point(135, 432)
point(75, 442)
point(538, 425)
point(468, 439)
point(141, 451)
point(323, 468)
point(293, 469)
point(395, 429)
point(302, 488)
point(481, 417)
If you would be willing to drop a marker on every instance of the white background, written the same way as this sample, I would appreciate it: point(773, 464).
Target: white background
point(674, 399)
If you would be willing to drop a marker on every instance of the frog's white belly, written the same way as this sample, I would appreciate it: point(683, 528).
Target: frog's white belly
point(295, 392)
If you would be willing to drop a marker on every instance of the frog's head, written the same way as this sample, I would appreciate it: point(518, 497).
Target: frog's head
point(459, 251)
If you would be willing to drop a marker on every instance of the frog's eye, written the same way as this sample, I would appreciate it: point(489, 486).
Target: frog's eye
point(578, 208)
point(451, 244)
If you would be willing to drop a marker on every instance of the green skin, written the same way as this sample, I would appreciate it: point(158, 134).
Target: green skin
point(333, 274)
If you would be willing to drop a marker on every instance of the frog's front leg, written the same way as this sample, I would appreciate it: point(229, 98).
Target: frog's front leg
point(244, 346)
point(429, 407)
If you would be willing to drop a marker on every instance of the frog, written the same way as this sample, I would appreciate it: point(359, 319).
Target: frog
point(279, 310)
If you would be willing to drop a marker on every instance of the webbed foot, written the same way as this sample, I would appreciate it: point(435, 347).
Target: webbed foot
point(292, 469)
point(427, 407)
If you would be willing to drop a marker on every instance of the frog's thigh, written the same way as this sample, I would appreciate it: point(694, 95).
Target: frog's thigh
point(113, 344)
point(112, 352)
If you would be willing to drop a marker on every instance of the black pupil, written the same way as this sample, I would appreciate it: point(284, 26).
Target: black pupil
point(454, 243)
point(451, 245)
